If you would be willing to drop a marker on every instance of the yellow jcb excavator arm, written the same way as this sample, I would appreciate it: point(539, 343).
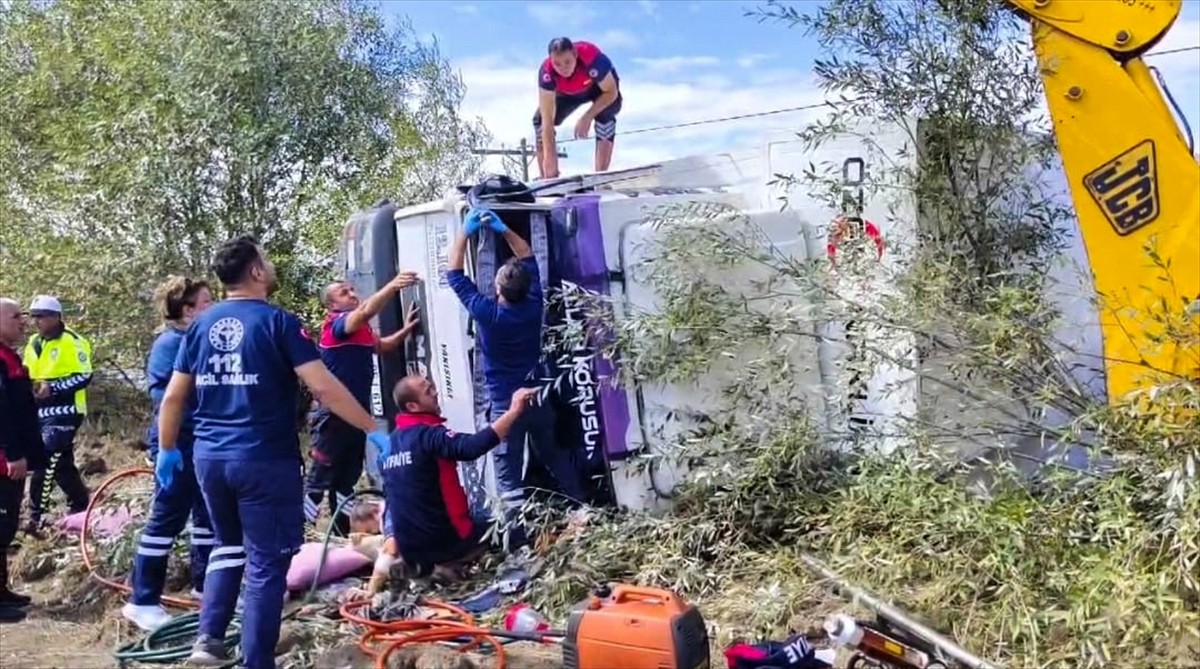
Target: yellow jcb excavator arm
point(1134, 180)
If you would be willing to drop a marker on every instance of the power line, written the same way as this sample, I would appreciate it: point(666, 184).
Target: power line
point(789, 110)
point(1170, 51)
point(708, 121)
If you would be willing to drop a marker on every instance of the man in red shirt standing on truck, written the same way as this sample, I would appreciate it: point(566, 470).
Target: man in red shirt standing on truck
point(572, 74)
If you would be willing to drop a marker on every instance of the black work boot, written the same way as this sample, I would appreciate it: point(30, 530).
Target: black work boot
point(34, 529)
point(10, 610)
point(8, 598)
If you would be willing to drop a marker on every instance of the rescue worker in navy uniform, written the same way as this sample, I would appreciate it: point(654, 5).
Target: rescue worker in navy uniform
point(348, 345)
point(179, 301)
point(431, 518)
point(60, 363)
point(510, 335)
point(243, 358)
point(20, 443)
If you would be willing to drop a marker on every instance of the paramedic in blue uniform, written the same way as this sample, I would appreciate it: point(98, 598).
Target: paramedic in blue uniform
point(20, 446)
point(348, 345)
point(575, 73)
point(242, 358)
point(434, 530)
point(179, 301)
point(509, 323)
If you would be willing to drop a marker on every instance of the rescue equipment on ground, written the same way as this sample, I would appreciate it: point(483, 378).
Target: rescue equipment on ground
point(523, 618)
point(794, 653)
point(636, 628)
point(875, 649)
point(895, 622)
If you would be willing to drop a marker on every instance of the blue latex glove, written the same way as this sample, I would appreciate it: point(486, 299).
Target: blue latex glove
point(495, 223)
point(165, 466)
point(472, 223)
point(383, 442)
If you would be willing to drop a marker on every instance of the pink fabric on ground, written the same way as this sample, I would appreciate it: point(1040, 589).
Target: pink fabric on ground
point(104, 523)
point(340, 563)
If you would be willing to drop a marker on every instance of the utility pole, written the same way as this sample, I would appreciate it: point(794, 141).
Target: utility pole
point(524, 153)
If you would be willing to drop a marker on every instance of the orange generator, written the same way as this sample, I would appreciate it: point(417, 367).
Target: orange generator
point(629, 627)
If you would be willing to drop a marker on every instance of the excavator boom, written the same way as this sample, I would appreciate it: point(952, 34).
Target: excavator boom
point(1133, 178)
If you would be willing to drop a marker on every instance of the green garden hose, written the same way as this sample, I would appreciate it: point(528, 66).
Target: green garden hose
point(172, 643)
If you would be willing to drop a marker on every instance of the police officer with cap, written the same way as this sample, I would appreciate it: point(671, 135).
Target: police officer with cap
point(60, 364)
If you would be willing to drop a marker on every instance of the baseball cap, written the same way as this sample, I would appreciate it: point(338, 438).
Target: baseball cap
point(45, 305)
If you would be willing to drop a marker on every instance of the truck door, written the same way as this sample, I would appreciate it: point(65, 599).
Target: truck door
point(368, 261)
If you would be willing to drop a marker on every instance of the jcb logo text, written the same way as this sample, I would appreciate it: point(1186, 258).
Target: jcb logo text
point(1126, 188)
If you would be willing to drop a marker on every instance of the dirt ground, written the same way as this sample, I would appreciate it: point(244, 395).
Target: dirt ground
point(52, 644)
point(75, 622)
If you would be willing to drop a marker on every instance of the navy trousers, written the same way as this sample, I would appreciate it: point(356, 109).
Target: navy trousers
point(535, 429)
point(169, 513)
point(257, 513)
point(338, 451)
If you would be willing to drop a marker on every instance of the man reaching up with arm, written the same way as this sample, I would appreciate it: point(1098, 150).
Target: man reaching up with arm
point(572, 74)
point(348, 346)
point(510, 336)
point(433, 530)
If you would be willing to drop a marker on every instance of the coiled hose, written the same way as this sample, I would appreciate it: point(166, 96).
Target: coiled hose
point(172, 643)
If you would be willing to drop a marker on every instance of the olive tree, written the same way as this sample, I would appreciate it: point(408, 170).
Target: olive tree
point(137, 135)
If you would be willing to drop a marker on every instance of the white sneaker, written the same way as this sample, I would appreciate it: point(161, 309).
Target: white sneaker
point(148, 618)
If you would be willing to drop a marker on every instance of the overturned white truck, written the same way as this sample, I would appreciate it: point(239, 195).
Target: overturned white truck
point(587, 231)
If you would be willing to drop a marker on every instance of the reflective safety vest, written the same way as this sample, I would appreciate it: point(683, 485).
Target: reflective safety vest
point(65, 364)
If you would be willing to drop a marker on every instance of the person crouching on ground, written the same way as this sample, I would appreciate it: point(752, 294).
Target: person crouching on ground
point(431, 518)
point(179, 300)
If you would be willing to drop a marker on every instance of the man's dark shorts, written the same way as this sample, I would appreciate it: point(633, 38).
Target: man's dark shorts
point(605, 124)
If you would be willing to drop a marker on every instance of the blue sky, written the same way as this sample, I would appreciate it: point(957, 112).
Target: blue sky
point(679, 61)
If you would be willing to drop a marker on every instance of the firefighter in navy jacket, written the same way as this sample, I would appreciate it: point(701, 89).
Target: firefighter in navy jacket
point(428, 507)
point(20, 443)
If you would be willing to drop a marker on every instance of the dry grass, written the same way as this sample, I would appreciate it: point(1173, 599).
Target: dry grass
point(1068, 572)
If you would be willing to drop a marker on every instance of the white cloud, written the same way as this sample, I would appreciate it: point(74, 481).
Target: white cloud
point(675, 90)
point(576, 20)
point(500, 91)
point(562, 15)
point(466, 10)
point(648, 7)
point(754, 59)
point(671, 64)
point(617, 39)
